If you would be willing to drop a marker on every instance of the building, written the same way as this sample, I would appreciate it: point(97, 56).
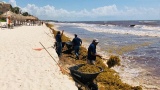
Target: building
point(4, 7)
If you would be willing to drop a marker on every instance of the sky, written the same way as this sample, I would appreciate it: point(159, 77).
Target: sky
point(90, 10)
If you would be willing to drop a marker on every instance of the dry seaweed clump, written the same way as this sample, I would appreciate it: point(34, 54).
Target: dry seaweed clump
point(113, 60)
point(110, 81)
point(89, 69)
point(49, 25)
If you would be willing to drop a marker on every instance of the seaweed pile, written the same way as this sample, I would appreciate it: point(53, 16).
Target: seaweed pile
point(106, 80)
point(113, 60)
point(89, 69)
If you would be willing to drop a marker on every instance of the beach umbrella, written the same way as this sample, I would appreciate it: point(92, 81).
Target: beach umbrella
point(31, 18)
point(13, 16)
point(20, 17)
point(10, 14)
point(7, 14)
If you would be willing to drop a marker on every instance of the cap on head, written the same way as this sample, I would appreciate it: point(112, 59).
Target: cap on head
point(95, 40)
point(75, 35)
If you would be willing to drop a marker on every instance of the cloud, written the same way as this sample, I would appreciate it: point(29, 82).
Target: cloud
point(52, 13)
point(107, 12)
point(13, 3)
point(141, 13)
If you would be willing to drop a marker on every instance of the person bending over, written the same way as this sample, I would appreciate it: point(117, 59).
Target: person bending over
point(91, 57)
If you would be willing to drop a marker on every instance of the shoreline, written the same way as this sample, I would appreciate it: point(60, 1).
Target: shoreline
point(128, 77)
point(70, 37)
point(85, 44)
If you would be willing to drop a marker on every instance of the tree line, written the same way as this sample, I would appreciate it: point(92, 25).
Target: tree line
point(17, 10)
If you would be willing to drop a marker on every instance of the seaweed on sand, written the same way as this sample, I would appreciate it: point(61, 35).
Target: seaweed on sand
point(107, 80)
point(89, 69)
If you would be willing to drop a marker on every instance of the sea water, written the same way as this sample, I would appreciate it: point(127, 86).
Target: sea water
point(136, 42)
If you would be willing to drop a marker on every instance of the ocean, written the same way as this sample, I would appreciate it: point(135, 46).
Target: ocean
point(136, 42)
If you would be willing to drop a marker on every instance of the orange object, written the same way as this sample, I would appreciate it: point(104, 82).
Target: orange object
point(38, 49)
point(9, 20)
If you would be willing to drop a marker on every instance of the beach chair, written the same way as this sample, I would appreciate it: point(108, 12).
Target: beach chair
point(3, 25)
point(0, 25)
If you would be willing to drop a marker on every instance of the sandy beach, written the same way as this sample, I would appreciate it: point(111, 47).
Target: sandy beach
point(24, 68)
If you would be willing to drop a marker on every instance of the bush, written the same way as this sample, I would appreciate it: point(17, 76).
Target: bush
point(2, 20)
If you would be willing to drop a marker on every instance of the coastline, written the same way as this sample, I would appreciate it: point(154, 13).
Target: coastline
point(25, 68)
point(126, 78)
point(85, 46)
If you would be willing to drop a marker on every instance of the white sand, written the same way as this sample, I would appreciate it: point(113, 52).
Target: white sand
point(23, 68)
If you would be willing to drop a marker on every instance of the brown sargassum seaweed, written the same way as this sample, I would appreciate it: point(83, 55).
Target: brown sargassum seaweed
point(89, 69)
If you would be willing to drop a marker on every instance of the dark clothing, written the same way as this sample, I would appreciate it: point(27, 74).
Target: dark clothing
point(58, 38)
point(58, 44)
point(76, 41)
point(59, 48)
point(76, 50)
point(91, 52)
point(76, 44)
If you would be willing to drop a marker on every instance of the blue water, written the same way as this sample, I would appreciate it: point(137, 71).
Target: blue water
point(143, 48)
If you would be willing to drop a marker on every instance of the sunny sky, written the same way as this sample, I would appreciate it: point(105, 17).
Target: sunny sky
point(90, 10)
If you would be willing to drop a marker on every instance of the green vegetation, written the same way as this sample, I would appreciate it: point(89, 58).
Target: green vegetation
point(106, 80)
point(18, 10)
point(2, 20)
point(25, 14)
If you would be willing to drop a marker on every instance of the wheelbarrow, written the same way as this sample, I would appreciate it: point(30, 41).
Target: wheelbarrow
point(84, 79)
point(69, 46)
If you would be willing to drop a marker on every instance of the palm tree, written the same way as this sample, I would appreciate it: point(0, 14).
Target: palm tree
point(16, 10)
point(25, 14)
